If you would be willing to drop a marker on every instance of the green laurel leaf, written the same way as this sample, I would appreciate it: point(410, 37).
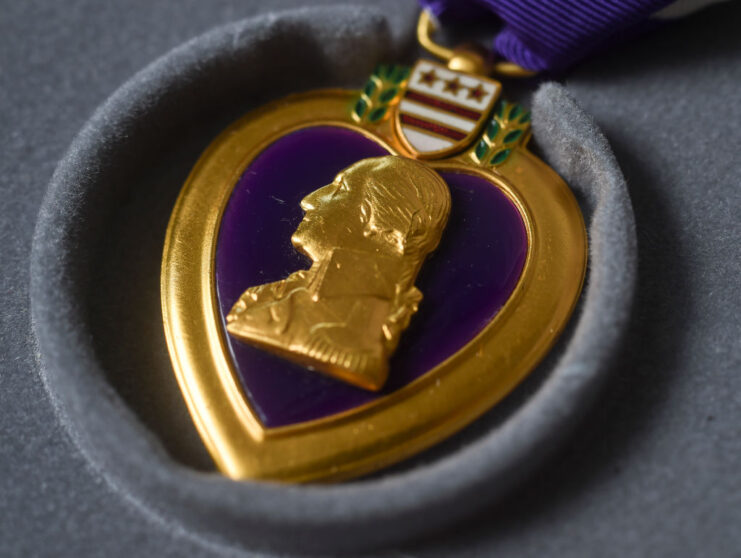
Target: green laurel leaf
point(515, 112)
point(481, 150)
point(377, 114)
point(499, 157)
point(380, 92)
point(360, 108)
point(370, 87)
point(499, 109)
point(387, 95)
point(492, 129)
point(512, 136)
point(381, 70)
point(400, 74)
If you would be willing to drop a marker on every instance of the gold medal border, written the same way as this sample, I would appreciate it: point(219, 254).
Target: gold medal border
point(418, 415)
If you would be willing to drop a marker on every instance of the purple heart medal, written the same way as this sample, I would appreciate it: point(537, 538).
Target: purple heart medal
point(349, 277)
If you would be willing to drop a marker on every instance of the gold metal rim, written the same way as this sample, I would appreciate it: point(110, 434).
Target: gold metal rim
point(427, 25)
point(415, 417)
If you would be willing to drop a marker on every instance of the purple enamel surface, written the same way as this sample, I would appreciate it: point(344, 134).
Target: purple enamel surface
point(464, 282)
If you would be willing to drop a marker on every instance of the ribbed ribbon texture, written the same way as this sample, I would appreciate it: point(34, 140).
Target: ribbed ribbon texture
point(551, 35)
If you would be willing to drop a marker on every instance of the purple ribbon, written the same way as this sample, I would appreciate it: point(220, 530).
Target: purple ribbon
point(551, 35)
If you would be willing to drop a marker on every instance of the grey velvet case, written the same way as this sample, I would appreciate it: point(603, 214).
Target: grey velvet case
point(92, 255)
point(95, 295)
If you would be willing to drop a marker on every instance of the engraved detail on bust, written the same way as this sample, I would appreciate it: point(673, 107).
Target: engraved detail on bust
point(367, 234)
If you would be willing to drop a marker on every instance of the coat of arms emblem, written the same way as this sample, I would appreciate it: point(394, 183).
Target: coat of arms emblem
point(442, 111)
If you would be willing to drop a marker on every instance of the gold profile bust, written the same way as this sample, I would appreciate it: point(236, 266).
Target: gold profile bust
point(367, 234)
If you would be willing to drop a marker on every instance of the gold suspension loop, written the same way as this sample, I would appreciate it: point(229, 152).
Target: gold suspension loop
point(463, 59)
point(427, 25)
point(510, 69)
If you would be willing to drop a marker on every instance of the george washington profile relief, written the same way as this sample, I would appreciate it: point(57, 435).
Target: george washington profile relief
point(367, 234)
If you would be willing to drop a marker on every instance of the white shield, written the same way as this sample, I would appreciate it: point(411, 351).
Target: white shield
point(443, 111)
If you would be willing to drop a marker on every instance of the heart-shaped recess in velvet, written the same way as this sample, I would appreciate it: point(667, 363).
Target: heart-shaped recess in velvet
point(464, 282)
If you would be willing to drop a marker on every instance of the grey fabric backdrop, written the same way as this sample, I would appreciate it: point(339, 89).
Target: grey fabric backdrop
point(653, 471)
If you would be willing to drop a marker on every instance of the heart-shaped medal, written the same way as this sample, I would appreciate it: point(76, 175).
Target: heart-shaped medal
point(350, 277)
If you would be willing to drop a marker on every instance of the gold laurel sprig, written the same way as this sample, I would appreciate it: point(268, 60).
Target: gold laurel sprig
point(383, 89)
point(508, 128)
